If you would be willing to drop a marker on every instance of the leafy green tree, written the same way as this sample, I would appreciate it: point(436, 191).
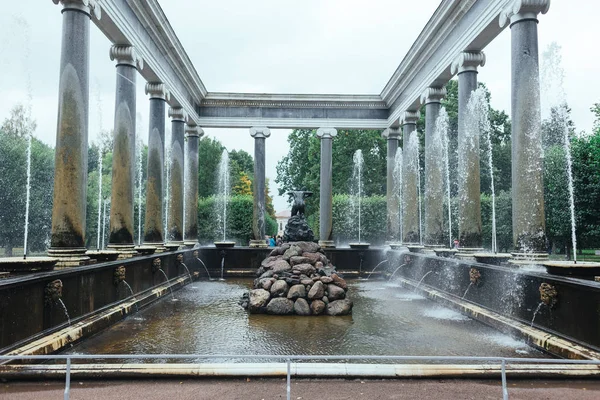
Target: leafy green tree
point(209, 156)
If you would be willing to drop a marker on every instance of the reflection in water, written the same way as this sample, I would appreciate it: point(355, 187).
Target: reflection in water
point(208, 320)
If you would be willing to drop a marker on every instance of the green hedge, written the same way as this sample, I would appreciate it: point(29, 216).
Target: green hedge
point(373, 220)
point(239, 220)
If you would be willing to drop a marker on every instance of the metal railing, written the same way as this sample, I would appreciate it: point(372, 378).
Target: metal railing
point(504, 361)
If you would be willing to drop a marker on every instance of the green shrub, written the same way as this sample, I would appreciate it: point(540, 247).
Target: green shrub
point(373, 220)
point(504, 233)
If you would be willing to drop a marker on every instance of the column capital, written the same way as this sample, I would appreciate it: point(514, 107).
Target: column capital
point(193, 131)
point(126, 54)
point(326, 133)
point(519, 10)
point(391, 134)
point(409, 117)
point(260, 132)
point(87, 6)
point(468, 61)
point(157, 90)
point(433, 95)
point(177, 114)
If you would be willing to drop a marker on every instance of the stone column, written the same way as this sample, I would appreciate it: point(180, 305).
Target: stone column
point(192, 135)
point(325, 189)
point(410, 181)
point(153, 223)
point(258, 188)
point(123, 166)
point(434, 171)
point(527, 174)
point(393, 210)
point(469, 191)
point(67, 241)
point(176, 168)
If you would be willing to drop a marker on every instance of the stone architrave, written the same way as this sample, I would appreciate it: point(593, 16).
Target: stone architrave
point(528, 214)
point(67, 240)
point(192, 135)
point(176, 174)
point(153, 222)
point(469, 191)
point(260, 134)
point(410, 183)
point(326, 190)
point(393, 208)
point(434, 171)
point(123, 166)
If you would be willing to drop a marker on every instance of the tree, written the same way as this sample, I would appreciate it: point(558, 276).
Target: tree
point(209, 156)
point(241, 166)
point(14, 134)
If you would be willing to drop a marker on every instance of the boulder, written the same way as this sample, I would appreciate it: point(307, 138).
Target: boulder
point(268, 262)
point(317, 291)
point(313, 257)
point(339, 307)
point(267, 274)
point(266, 283)
point(295, 260)
point(278, 251)
point(279, 288)
point(296, 291)
point(306, 281)
point(291, 252)
point(339, 281)
point(335, 292)
point(280, 266)
point(308, 247)
point(258, 299)
point(317, 307)
point(280, 306)
point(326, 279)
point(305, 269)
point(301, 307)
point(325, 300)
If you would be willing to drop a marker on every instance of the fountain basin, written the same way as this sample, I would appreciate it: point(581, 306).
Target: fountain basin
point(224, 244)
point(29, 264)
point(102, 255)
point(172, 246)
point(359, 245)
point(446, 253)
point(581, 268)
point(396, 246)
point(492, 258)
point(145, 250)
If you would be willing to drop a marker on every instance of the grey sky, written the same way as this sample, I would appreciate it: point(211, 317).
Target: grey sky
point(310, 46)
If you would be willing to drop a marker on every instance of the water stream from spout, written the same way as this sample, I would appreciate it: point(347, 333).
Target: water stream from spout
point(167, 280)
point(100, 226)
point(139, 150)
point(467, 291)
point(369, 276)
point(206, 269)
point(132, 295)
point(222, 269)
point(188, 271)
point(223, 192)
point(424, 276)
point(537, 310)
point(28, 193)
point(396, 270)
point(65, 310)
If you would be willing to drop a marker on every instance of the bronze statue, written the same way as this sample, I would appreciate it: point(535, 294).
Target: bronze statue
point(299, 196)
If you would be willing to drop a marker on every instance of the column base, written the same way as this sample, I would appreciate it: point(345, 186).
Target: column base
point(125, 250)
point(327, 244)
point(69, 257)
point(467, 253)
point(174, 246)
point(258, 243)
point(160, 247)
point(190, 243)
point(522, 259)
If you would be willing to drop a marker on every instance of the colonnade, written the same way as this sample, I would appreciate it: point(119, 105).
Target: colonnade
point(69, 207)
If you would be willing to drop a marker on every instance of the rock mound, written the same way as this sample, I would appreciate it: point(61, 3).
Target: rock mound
point(297, 278)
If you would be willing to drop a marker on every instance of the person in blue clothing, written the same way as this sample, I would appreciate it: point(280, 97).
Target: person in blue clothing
point(272, 241)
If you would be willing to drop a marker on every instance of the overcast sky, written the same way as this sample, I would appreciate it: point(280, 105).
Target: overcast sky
point(309, 46)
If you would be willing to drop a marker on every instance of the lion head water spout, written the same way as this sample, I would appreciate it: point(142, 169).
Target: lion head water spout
point(180, 261)
point(53, 295)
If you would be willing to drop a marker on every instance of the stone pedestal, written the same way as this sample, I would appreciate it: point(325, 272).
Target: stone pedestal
point(393, 206)
point(67, 238)
point(469, 191)
point(410, 181)
point(326, 191)
point(123, 166)
point(260, 134)
point(193, 135)
point(153, 223)
point(529, 224)
point(175, 195)
point(434, 171)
